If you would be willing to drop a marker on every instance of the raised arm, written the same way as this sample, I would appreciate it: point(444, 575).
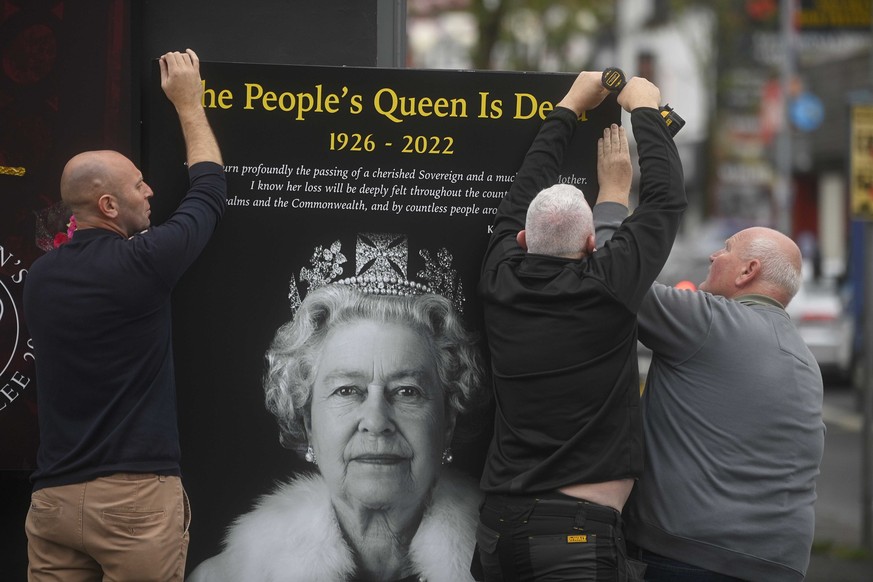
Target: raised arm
point(641, 245)
point(615, 176)
point(542, 163)
point(181, 82)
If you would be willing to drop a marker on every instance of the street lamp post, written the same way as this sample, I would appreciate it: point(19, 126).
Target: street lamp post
point(783, 186)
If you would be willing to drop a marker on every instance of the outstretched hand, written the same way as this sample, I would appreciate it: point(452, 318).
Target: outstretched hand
point(180, 79)
point(614, 169)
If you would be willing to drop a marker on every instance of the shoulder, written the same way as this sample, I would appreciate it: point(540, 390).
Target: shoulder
point(303, 502)
point(292, 529)
point(676, 301)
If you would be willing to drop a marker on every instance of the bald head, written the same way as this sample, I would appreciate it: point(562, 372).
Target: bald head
point(105, 189)
point(86, 177)
point(780, 257)
point(756, 260)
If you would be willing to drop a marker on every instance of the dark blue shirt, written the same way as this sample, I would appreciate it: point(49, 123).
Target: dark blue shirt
point(98, 310)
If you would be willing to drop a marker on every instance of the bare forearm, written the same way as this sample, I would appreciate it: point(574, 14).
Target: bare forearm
point(200, 142)
point(180, 80)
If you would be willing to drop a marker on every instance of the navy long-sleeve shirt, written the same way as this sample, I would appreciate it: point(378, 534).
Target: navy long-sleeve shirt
point(98, 310)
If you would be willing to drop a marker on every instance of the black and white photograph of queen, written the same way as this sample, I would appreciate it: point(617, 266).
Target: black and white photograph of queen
point(368, 380)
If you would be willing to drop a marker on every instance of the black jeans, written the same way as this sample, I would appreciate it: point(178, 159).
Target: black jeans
point(551, 537)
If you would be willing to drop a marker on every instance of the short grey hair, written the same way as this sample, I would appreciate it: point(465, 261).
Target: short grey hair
point(292, 356)
point(777, 268)
point(558, 222)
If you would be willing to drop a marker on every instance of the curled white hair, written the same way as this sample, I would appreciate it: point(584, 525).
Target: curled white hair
point(292, 356)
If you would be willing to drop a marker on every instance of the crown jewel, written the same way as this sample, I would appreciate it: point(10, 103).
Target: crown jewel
point(381, 263)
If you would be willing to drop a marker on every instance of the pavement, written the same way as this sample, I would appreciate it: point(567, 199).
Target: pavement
point(837, 553)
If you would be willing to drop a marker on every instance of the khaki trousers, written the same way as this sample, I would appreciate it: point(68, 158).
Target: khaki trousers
point(122, 528)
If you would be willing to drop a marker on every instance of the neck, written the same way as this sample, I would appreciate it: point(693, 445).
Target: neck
point(760, 299)
point(380, 539)
point(86, 223)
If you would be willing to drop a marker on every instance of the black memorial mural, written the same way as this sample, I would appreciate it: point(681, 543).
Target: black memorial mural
point(346, 185)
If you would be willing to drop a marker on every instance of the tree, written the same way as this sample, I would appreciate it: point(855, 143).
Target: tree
point(538, 35)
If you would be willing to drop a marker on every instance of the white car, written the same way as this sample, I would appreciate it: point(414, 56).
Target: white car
point(819, 313)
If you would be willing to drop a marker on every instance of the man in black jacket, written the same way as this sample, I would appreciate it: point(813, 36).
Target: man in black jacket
point(560, 320)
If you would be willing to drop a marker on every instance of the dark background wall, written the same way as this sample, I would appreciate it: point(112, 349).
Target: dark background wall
point(300, 32)
point(72, 79)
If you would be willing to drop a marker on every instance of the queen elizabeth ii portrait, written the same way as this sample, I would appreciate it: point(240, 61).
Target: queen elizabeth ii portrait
point(368, 380)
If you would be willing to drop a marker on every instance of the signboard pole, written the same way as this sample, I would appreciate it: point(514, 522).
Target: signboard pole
point(391, 33)
point(861, 209)
point(867, 391)
point(867, 344)
point(783, 187)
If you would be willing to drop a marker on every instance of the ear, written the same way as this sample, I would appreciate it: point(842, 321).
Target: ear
point(749, 273)
point(590, 245)
point(521, 237)
point(108, 206)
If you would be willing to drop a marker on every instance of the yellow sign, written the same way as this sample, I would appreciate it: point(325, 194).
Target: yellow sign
point(861, 177)
point(580, 539)
point(834, 15)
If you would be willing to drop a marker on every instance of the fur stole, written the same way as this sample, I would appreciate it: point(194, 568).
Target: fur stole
point(293, 535)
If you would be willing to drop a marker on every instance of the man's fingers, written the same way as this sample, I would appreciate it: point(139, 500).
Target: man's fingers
point(175, 59)
point(619, 139)
point(612, 138)
point(195, 60)
point(164, 73)
point(172, 58)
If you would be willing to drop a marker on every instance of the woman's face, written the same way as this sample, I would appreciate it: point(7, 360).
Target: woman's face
point(378, 422)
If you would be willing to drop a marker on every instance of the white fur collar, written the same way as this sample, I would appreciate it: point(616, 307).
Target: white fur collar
point(292, 535)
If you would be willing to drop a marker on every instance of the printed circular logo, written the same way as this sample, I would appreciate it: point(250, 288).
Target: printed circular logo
point(16, 359)
point(10, 328)
point(18, 426)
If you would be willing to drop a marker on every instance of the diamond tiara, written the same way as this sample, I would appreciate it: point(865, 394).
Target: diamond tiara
point(381, 263)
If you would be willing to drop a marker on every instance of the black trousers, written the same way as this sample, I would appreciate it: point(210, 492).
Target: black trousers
point(551, 537)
